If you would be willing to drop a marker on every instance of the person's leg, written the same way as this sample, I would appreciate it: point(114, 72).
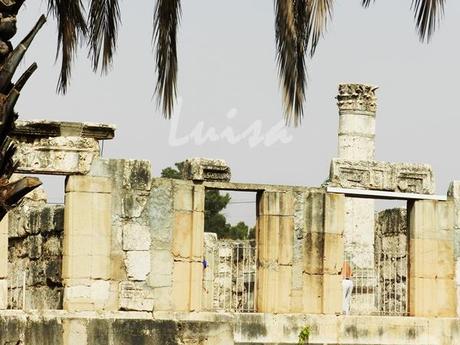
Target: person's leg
point(348, 287)
point(345, 298)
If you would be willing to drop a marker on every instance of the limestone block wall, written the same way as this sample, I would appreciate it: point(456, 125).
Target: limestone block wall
point(35, 236)
point(157, 238)
point(391, 260)
point(432, 290)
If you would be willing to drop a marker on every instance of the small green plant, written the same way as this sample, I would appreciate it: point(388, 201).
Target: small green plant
point(304, 335)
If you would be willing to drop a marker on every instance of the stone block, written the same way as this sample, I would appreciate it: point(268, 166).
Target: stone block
point(76, 267)
point(34, 246)
point(135, 296)
point(78, 245)
point(332, 294)
point(100, 292)
point(57, 156)
point(334, 220)
point(204, 169)
point(198, 198)
point(375, 175)
point(333, 253)
point(87, 213)
point(279, 203)
point(181, 286)
point(136, 237)
point(445, 215)
point(312, 293)
point(432, 297)
point(314, 211)
point(137, 265)
point(284, 289)
point(3, 294)
point(88, 184)
point(117, 267)
point(75, 332)
point(183, 197)
point(313, 253)
point(197, 235)
point(286, 240)
point(196, 285)
point(182, 234)
point(100, 267)
point(101, 244)
point(270, 291)
point(431, 259)
point(422, 219)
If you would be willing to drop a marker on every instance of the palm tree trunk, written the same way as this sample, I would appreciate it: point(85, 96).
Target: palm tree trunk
point(11, 193)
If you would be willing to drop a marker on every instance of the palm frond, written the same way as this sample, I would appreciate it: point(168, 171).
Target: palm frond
point(166, 21)
point(71, 29)
point(319, 13)
point(427, 14)
point(366, 3)
point(104, 19)
point(291, 33)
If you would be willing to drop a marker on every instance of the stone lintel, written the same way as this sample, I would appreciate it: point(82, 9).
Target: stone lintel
point(30, 130)
point(376, 175)
point(72, 155)
point(205, 169)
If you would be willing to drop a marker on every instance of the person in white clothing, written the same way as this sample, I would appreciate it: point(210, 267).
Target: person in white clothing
point(347, 287)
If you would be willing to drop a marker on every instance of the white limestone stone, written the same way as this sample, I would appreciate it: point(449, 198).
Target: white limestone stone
point(136, 237)
point(100, 291)
point(138, 265)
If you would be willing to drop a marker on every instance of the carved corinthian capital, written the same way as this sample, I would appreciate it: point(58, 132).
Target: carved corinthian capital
point(357, 97)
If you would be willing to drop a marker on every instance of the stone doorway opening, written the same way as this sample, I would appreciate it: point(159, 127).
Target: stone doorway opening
point(230, 253)
point(376, 246)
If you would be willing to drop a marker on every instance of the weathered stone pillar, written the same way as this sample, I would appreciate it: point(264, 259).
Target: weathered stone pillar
point(87, 242)
point(275, 235)
point(4, 263)
point(187, 247)
point(357, 110)
point(431, 259)
point(454, 195)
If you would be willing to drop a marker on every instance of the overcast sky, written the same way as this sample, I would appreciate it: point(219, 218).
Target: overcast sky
point(228, 79)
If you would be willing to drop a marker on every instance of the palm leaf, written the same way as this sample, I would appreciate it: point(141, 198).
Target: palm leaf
point(366, 3)
point(71, 29)
point(291, 25)
point(427, 14)
point(104, 19)
point(166, 20)
point(319, 13)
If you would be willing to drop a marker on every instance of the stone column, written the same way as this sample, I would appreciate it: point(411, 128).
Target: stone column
point(188, 246)
point(4, 263)
point(87, 242)
point(432, 290)
point(275, 235)
point(357, 110)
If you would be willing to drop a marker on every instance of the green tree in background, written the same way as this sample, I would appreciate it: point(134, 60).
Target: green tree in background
point(214, 220)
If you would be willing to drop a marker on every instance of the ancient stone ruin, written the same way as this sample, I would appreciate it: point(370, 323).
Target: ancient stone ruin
point(125, 259)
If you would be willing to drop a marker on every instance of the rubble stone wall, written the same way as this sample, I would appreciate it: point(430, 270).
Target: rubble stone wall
point(35, 253)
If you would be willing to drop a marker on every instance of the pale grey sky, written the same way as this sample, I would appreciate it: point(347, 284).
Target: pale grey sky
point(227, 63)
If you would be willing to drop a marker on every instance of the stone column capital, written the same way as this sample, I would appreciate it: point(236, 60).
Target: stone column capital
point(357, 97)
